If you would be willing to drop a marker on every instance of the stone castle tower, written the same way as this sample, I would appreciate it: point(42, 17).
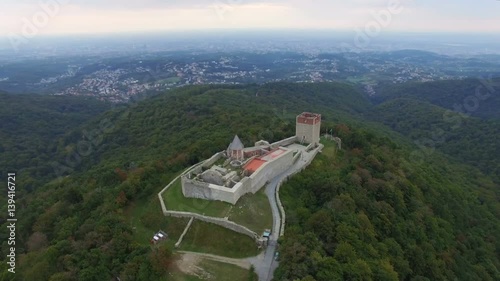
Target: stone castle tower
point(308, 127)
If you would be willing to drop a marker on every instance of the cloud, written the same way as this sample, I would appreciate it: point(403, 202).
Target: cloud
point(141, 4)
point(91, 16)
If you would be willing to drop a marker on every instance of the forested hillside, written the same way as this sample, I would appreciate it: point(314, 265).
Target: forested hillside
point(367, 212)
point(432, 128)
point(31, 124)
point(75, 227)
point(194, 122)
point(475, 97)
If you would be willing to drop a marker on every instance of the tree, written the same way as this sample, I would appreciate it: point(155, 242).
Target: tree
point(385, 271)
point(37, 241)
point(329, 269)
point(161, 258)
point(121, 200)
point(345, 253)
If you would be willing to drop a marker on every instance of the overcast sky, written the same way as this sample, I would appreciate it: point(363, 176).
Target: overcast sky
point(98, 16)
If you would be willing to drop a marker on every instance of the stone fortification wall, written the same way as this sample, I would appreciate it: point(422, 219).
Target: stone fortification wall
point(310, 147)
point(202, 190)
point(297, 156)
point(218, 221)
point(195, 171)
point(246, 184)
point(179, 241)
point(209, 162)
point(206, 191)
point(284, 142)
point(195, 189)
point(221, 193)
point(160, 194)
point(270, 170)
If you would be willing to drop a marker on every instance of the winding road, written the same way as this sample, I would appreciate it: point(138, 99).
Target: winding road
point(265, 264)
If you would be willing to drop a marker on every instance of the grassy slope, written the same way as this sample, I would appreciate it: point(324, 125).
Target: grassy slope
point(226, 272)
point(216, 271)
point(146, 219)
point(207, 238)
point(252, 210)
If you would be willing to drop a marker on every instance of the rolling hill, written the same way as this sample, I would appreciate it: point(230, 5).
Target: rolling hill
point(30, 125)
point(367, 212)
point(468, 139)
point(475, 97)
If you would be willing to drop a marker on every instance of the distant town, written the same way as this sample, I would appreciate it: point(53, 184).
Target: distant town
point(119, 73)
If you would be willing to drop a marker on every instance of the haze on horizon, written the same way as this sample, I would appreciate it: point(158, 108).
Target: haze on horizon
point(118, 16)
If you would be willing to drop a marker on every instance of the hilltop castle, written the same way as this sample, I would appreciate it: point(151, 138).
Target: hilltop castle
point(239, 170)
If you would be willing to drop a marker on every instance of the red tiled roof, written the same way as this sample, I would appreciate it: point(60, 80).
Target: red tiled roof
point(254, 165)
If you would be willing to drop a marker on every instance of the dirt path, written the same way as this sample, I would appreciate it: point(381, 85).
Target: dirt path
point(191, 259)
point(188, 264)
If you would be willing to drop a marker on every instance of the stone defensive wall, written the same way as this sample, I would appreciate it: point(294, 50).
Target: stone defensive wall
point(297, 156)
point(269, 170)
point(160, 194)
point(186, 229)
point(208, 191)
point(196, 189)
point(285, 142)
point(209, 162)
point(218, 221)
point(310, 147)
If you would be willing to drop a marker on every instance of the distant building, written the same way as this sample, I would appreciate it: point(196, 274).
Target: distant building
point(308, 127)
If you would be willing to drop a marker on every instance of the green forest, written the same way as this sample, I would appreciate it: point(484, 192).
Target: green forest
point(370, 211)
point(32, 124)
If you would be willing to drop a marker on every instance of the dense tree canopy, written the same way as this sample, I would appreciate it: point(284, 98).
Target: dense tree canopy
point(367, 212)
